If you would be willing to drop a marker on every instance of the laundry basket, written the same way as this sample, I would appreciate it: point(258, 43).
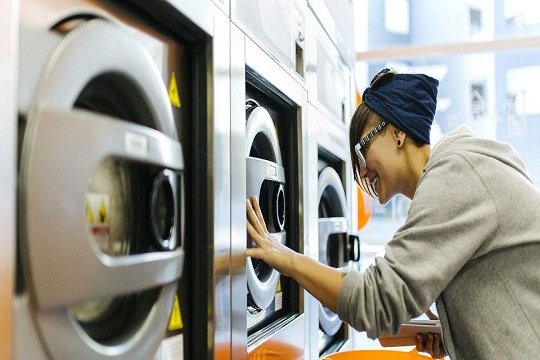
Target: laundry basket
point(376, 355)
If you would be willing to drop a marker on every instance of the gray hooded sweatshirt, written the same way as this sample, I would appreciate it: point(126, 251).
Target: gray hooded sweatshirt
point(472, 243)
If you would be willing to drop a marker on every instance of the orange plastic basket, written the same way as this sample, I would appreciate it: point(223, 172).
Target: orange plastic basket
point(376, 355)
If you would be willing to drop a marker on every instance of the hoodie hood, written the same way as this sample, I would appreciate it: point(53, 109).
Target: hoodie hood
point(464, 140)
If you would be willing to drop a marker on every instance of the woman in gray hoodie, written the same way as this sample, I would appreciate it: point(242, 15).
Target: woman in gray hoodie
point(471, 241)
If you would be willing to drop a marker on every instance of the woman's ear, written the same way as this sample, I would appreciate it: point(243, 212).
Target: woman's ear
point(399, 137)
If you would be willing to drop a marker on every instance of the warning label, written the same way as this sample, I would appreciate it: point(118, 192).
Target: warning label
point(176, 323)
point(174, 97)
point(97, 218)
point(278, 298)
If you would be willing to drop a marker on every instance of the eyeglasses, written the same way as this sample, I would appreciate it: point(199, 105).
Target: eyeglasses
point(358, 147)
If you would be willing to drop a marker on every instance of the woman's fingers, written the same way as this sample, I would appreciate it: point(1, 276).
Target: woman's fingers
point(437, 353)
point(257, 208)
point(433, 346)
point(253, 219)
point(253, 234)
point(255, 252)
point(419, 344)
point(429, 344)
point(431, 315)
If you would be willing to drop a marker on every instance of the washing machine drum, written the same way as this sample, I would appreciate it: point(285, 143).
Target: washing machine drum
point(101, 197)
point(266, 180)
point(332, 233)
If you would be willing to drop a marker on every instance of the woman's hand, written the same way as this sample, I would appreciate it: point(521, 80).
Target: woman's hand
point(432, 343)
point(321, 281)
point(275, 254)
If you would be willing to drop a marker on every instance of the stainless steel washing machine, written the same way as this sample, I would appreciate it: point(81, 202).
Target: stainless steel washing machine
point(330, 210)
point(268, 103)
point(331, 204)
point(105, 93)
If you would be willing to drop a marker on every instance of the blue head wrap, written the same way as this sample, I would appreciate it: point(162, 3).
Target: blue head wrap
point(407, 101)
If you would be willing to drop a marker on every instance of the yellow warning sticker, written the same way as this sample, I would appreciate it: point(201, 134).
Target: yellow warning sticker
point(102, 217)
point(174, 97)
point(176, 323)
point(278, 290)
point(89, 213)
point(97, 219)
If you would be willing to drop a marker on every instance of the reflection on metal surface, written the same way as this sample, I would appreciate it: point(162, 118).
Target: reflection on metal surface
point(276, 350)
point(224, 262)
point(8, 177)
point(238, 347)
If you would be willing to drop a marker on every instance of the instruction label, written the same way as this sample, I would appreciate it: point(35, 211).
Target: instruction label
point(136, 144)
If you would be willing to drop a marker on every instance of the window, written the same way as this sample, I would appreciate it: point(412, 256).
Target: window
point(396, 18)
point(493, 88)
point(478, 102)
point(522, 12)
point(475, 20)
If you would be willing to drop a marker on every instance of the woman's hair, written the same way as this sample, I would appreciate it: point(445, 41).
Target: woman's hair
point(362, 116)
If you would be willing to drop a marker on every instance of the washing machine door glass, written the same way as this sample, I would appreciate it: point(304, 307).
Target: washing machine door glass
point(332, 235)
point(266, 180)
point(101, 179)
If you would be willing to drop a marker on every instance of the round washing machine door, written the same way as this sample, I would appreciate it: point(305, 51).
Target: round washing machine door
point(101, 198)
point(332, 228)
point(266, 180)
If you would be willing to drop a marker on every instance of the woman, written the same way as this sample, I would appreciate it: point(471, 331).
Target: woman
point(471, 240)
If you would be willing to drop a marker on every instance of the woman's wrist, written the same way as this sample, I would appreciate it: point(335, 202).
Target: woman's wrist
point(295, 260)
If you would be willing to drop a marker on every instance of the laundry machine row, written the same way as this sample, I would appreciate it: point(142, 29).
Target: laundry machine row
point(294, 78)
point(142, 128)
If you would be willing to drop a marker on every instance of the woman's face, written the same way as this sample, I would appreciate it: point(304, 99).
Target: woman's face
point(381, 162)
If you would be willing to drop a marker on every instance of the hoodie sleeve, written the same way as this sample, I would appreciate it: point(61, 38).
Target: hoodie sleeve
point(452, 214)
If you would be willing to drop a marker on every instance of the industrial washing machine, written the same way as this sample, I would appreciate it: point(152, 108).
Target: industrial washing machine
point(114, 119)
point(330, 211)
point(329, 82)
point(268, 103)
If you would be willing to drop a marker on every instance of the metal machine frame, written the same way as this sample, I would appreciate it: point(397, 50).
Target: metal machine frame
point(220, 326)
point(246, 54)
point(8, 168)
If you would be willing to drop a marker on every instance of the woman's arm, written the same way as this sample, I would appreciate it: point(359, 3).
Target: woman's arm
point(321, 281)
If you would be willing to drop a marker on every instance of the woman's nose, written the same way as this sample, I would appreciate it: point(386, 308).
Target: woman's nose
point(363, 172)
